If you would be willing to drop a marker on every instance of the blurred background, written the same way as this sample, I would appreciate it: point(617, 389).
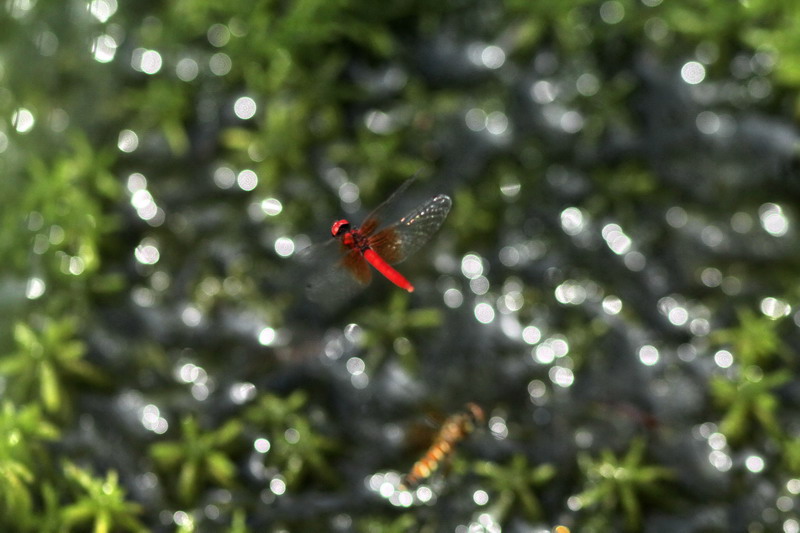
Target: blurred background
point(616, 285)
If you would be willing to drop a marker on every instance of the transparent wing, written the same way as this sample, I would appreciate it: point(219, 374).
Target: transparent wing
point(388, 211)
point(332, 272)
point(398, 241)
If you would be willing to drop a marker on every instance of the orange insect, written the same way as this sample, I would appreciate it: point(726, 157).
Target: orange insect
point(454, 430)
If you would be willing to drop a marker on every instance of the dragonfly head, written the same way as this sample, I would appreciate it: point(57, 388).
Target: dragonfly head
point(476, 413)
point(340, 227)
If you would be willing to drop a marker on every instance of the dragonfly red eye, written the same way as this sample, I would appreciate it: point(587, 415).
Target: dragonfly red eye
point(339, 227)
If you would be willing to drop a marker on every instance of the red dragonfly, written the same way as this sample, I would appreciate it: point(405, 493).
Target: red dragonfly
point(352, 250)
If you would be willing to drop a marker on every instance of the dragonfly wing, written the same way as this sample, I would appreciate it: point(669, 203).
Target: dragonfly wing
point(402, 239)
point(386, 211)
point(332, 272)
point(357, 265)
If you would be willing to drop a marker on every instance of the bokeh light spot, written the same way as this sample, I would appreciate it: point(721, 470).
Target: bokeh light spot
point(472, 266)
point(103, 10)
point(247, 180)
point(677, 217)
point(616, 239)
point(35, 288)
point(543, 92)
point(127, 141)
point(261, 445)
point(149, 62)
point(277, 485)
point(284, 246)
point(612, 305)
point(266, 336)
point(484, 313)
point(708, 122)
point(22, 120)
point(245, 107)
point(571, 121)
point(572, 220)
point(531, 335)
point(544, 354)
point(147, 254)
point(678, 316)
point(220, 64)
point(720, 460)
point(475, 119)
point(723, 359)
point(612, 12)
point(775, 308)
point(271, 206)
point(587, 84)
point(693, 72)
point(754, 463)
point(479, 285)
point(187, 69)
point(224, 177)
point(104, 48)
point(561, 376)
point(480, 497)
point(218, 35)
point(453, 298)
point(355, 365)
point(496, 123)
point(773, 220)
point(493, 57)
point(648, 355)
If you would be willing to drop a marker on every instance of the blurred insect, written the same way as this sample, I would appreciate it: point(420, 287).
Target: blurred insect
point(343, 262)
point(455, 429)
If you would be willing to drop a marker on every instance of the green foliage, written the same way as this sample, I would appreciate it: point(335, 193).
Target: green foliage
point(755, 341)
point(473, 217)
point(400, 524)
point(52, 225)
point(163, 109)
point(776, 36)
point(297, 449)
point(514, 485)
point(790, 449)
point(238, 522)
point(615, 487)
point(47, 358)
point(62, 205)
point(22, 435)
point(626, 184)
point(49, 520)
point(749, 398)
point(394, 325)
point(199, 458)
point(703, 18)
point(301, 61)
point(100, 502)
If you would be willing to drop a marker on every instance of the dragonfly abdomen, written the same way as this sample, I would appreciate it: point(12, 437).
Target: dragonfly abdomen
point(384, 268)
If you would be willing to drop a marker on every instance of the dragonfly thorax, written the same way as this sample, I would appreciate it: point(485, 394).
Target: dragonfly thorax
point(349, 236)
